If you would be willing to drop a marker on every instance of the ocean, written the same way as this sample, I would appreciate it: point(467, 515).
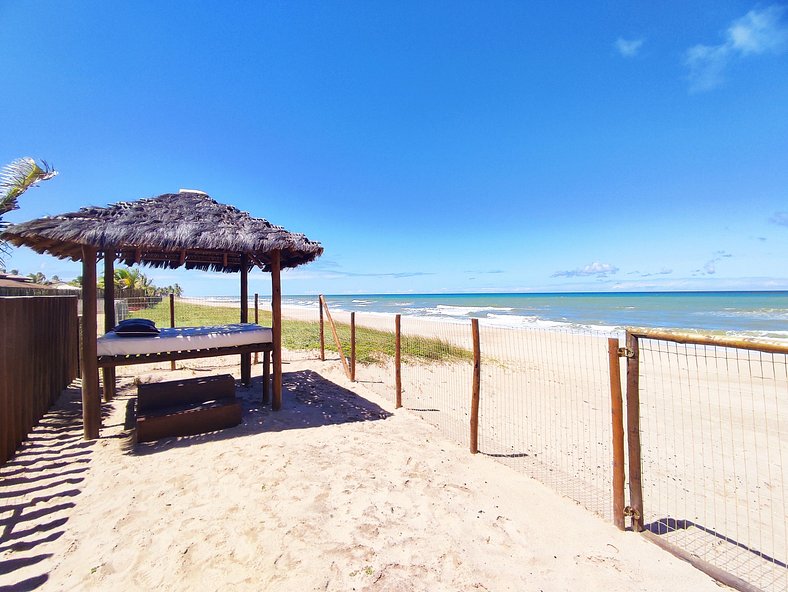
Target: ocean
point(735, 314)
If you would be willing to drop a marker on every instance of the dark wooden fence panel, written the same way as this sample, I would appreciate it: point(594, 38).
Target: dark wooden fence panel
point(38, 359)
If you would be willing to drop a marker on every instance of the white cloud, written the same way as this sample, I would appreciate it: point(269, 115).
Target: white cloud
point(662, 271)
point(628, 48)
point(757, 32)
point(710, 267)
point(780, 218)
point(596, 268)
point(707, 66)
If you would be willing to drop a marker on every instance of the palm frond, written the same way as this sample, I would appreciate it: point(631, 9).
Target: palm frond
point(19, 176)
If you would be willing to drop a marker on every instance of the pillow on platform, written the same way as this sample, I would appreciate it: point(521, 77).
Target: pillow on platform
point(136, 328)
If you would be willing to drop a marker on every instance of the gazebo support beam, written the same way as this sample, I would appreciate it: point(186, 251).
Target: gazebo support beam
point(276, 322)
point(108, 374)
point(91, 402)
point(246, 359)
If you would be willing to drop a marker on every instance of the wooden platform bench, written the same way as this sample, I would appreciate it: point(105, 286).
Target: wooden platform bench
point(130, 351)
point(186, 407)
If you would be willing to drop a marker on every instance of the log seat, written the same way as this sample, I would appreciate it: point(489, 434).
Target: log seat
point(186, 407)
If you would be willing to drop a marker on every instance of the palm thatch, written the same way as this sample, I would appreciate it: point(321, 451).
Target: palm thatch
point(172, 230)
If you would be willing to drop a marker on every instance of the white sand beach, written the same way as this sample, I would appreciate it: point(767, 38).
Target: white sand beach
point(338, 491)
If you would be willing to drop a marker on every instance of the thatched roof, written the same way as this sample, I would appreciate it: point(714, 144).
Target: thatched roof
point(187, 228)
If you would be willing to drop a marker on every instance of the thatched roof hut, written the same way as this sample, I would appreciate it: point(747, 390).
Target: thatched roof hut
point(172, 230)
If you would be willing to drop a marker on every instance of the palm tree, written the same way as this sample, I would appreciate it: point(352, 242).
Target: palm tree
point(18, 177)
point(133, 279)
point(15, 179)
point(145, 284)
point(37, 277)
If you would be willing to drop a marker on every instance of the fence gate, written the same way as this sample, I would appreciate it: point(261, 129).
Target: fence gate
point(707, 441)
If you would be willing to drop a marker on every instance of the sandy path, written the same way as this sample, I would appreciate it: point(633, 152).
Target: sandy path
point(335, 492)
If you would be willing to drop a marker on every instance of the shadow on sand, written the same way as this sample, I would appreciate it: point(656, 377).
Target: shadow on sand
point(37, 487)
point(308, 401)
point(668, 525)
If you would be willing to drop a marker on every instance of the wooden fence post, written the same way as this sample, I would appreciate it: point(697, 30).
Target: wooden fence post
point(398, 361)
point(353, 346)
point(633, 432)
point(477, 375)
point(172, 321)
point(617, 413)
point(322, 333)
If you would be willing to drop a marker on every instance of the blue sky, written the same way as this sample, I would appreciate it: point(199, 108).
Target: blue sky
point(430, 146)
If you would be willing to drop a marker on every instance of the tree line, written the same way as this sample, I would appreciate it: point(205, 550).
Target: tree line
point(126, 280)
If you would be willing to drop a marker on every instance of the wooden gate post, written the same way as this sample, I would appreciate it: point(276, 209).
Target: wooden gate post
point(633, 431)
point(617, 418)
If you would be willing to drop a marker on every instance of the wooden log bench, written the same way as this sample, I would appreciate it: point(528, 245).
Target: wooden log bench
point(186, 407)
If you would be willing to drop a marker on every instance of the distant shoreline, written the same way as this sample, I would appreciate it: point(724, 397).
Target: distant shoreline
point(758, 315)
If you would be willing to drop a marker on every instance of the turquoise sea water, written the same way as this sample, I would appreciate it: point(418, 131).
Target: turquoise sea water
point(752, 314)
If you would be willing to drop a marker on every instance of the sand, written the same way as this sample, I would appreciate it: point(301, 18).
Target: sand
point(714, 430)
point(338, 491)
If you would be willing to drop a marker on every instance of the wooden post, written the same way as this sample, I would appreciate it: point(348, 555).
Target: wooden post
point(91, 401)
point(108, 374)
point(246, 359)
point(172, 322)
point(256, 322)
point(477, 364)
point(266, 378)
point(617, 413)
point(353, 346)
point(336, 338)
point(398, 361)
point(633, 432)
point(322, 333)
point(276, 313)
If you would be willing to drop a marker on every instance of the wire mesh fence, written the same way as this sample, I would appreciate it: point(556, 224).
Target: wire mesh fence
point(714, 439)
point(544, 401)
point(189, 312)
point(545, 409)
point(375, 353)
point(437, 367)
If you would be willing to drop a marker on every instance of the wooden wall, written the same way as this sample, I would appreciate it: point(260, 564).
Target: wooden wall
point(38, 359)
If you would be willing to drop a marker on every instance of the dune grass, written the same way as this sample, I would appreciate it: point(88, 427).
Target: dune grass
point(372, 345)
